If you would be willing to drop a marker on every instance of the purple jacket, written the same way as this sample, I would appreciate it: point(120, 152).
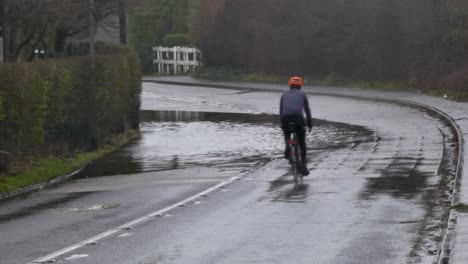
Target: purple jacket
point(293, 104)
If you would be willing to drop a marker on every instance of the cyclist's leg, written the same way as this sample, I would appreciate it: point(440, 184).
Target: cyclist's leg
point(287, 136)
point(301, 137)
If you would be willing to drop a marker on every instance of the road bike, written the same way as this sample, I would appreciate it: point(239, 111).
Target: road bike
point(295, 157)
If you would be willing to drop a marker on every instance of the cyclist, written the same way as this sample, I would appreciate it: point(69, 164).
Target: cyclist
point(292, 105)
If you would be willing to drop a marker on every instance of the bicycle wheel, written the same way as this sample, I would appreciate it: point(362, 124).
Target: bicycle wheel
point(294, 159)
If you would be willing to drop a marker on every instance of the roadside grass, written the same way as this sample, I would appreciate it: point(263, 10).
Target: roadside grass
point(40, 169)
point(461, 208)
point(260, 77)
point(373, 85)
point(455, 95)
point(228, 74)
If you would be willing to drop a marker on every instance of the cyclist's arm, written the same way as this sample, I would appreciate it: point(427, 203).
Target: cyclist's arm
point(307, 111)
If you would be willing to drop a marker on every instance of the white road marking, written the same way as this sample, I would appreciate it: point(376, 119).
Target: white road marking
point(131, 224)
point(77, 256)
point(125, 235)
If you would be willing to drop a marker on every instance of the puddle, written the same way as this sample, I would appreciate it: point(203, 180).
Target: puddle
point(48, 204)
point(407, 176)
point(401, 183)
point(91, 208)
point(177, 140)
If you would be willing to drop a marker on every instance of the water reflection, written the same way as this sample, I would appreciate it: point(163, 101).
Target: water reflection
point(184, 116)
point(295, 194)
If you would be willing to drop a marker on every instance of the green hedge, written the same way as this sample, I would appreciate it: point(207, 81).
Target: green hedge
point(53, 102)
point(173, 40)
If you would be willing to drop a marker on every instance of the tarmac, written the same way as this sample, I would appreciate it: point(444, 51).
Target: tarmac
point(454, 248)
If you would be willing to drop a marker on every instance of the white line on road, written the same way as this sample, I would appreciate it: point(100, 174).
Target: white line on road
point(131, 224)
point(125, 235)
point(77, 256)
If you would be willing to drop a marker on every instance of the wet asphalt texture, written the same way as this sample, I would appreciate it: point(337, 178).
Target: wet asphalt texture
point(377, 191)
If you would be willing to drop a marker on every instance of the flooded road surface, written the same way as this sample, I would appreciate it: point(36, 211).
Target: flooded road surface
point(237, 142)
point(377, 191)
point(179, 154)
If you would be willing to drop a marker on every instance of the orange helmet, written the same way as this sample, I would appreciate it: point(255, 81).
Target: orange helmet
point(296, 81)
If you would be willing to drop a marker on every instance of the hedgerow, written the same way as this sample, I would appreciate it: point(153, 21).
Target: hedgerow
point(55, 102)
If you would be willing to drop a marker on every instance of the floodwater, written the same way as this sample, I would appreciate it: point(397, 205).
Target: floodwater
point(178, 139)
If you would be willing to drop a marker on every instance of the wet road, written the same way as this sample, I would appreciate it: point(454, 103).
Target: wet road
point(376, 193)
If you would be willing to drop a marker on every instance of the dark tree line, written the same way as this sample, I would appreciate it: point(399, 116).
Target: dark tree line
point(46, 24)
point(360, 39)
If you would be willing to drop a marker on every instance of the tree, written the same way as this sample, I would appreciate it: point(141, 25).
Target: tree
point(48, 23)
point(362, 39)
point(153, 20)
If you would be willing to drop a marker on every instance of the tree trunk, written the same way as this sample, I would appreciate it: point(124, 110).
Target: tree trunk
point(122, 22)
point(59, 42)
point(3, 30)
point(92, 33)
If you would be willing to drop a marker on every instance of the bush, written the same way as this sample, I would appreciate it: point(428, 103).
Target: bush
point(455, 85)
point(174, 40)
point(53, 102)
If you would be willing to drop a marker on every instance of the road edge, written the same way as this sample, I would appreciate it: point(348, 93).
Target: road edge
point(4, 197)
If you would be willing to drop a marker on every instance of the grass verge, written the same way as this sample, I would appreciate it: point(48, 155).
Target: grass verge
point(41, 169)
point(462, 208)
point(228, 74)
